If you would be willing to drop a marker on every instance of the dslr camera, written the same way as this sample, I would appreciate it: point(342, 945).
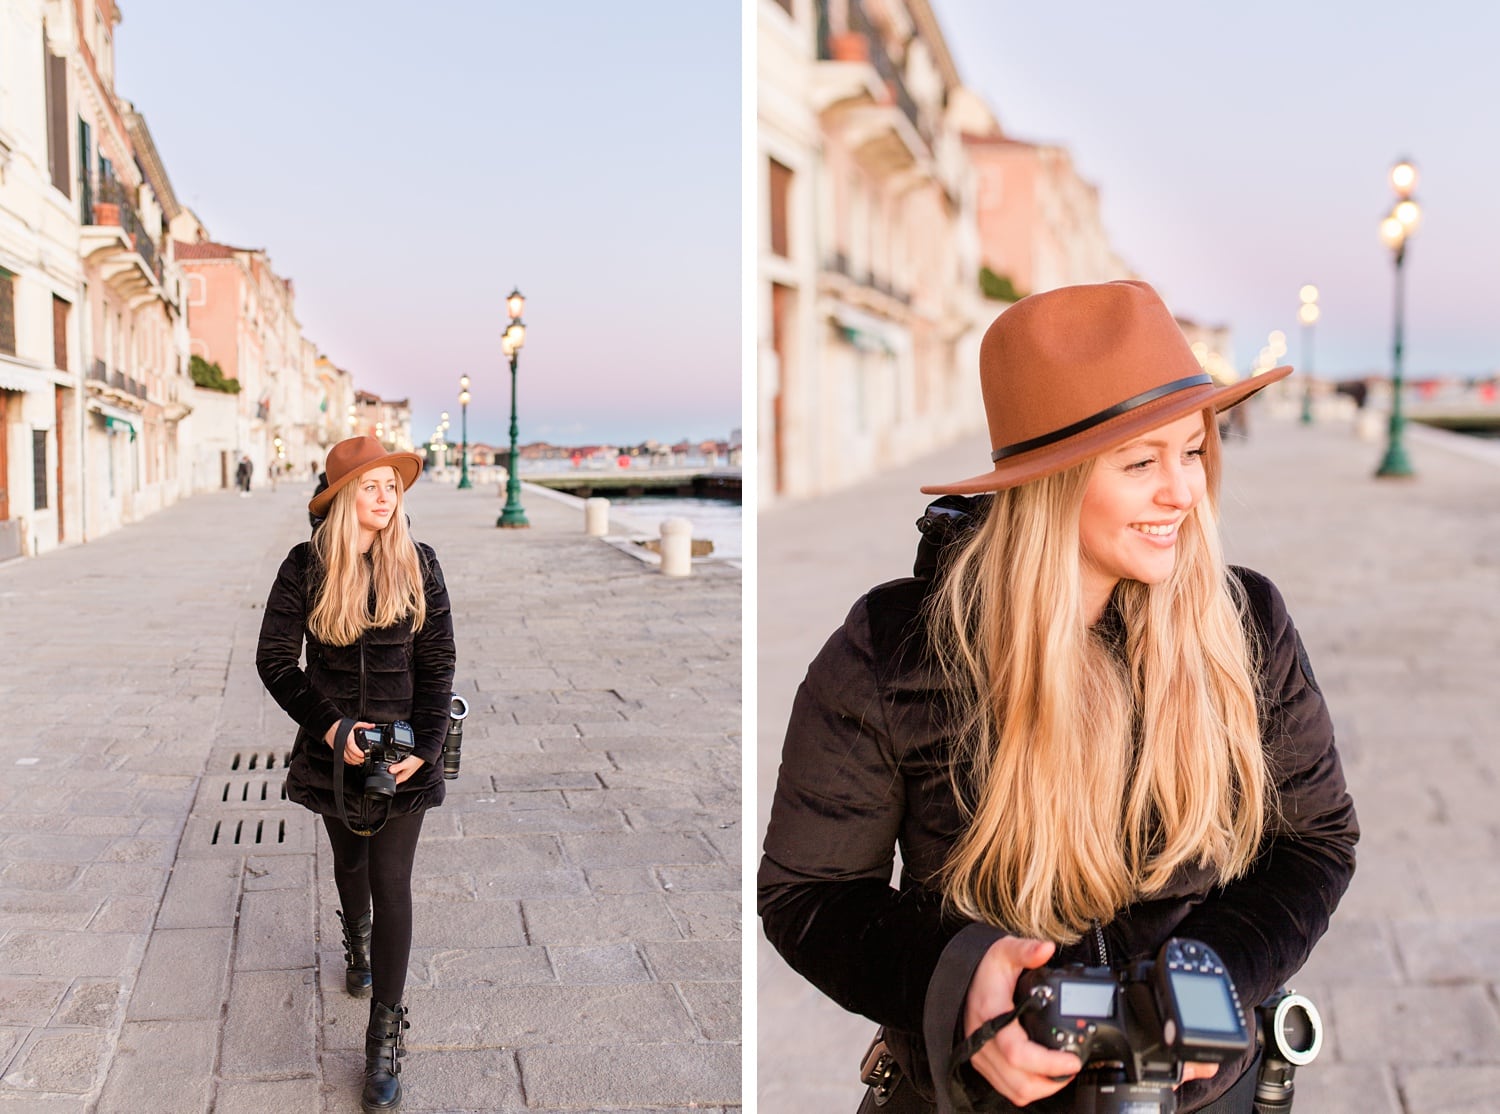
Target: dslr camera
point(1135, 1028)
point(383, 745)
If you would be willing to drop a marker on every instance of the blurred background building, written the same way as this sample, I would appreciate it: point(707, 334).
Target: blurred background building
point(139, 358)
point(896, 220)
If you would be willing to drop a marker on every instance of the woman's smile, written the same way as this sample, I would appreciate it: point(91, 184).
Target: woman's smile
point(1159, 532)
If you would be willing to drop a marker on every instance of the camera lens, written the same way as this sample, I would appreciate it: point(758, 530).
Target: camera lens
point(380, 784)
point(1297, 1029)
point(458, 708)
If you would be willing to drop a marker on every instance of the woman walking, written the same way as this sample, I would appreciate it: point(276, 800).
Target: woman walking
point(372, 608)
point(1085, 733)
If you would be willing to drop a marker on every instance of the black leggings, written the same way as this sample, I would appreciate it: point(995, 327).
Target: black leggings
point(379, 867)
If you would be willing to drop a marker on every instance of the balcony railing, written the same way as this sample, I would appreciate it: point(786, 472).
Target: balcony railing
point(111, 203)
point(885, 66)
point(838, 263)
point(100, 373)
point(122, 382)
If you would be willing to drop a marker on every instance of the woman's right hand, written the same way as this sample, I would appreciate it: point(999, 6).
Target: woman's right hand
point(353, 756)
point(1020, 1069)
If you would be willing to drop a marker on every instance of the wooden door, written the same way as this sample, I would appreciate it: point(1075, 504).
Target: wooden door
point(4, 456)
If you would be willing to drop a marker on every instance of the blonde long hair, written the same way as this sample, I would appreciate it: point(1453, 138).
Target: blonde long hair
point(1090, 768)
point(341, 608)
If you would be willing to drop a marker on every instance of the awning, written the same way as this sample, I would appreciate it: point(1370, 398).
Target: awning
point(865, 331)
point(116, 420)
point(16, 378)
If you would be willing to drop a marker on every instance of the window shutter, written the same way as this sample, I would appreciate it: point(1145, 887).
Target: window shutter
point(7, 316)
point(57, 122)
point(39, 469)
point(60, 333)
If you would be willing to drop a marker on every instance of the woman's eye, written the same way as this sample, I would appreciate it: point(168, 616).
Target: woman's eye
point(1197, 454)
point(1140, 465)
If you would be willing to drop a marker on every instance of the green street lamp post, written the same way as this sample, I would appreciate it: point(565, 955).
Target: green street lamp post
point(1307, 313)
point(463, 410)
point(514, 515)
point(1395, 230)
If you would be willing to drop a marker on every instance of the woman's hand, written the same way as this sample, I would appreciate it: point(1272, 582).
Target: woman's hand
point(1195, 1070)
point(406, 767)
point(353, 756)
point(1020, 1069)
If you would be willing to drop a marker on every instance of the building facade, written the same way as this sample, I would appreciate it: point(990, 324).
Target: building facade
point(869, 306)
point(112, 296)
point(1039, 221)
point(386, 420)
point(93, 385)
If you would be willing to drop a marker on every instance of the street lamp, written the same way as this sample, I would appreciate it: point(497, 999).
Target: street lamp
point(1307, 313)
point(514, 515)
point(463, 410)
point(1395, 230)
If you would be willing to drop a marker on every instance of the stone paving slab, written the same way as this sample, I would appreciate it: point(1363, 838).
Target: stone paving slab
point(1395, 588)
point(167, 938)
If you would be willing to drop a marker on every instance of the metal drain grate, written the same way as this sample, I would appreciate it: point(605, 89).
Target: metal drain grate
point(213, 831)
point(255, 792)
point(251, 832)
point(260, 760)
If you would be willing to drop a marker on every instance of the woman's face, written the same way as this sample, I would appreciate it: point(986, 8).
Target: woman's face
point(377, 496)
point(1136, 498)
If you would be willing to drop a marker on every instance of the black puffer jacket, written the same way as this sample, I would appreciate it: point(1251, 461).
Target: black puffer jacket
point(391, 673)
point(865, 769)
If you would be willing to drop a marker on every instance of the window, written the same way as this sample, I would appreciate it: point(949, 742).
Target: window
point(60, 310)
point(39, 469)
point(85, 172)
point(781, 188)
point(55, 68)
point(7, 312)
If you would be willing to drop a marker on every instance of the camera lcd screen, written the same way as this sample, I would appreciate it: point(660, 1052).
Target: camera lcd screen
point(1205, 1003)
point(1087, 999)
point(403, 734)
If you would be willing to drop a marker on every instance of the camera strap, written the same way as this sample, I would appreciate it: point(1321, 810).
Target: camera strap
point(341, 737)
point(967, 1088)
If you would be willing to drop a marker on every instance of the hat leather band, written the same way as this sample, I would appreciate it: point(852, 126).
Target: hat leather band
point(1103, 416)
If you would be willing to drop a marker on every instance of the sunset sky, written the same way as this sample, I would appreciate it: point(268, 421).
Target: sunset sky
point(1242, 150)
point(407, 165)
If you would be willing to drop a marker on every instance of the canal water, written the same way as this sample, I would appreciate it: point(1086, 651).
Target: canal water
point(715, 519)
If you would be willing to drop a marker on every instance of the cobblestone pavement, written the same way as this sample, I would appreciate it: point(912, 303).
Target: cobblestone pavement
point(1395, 586)
point(167, 932)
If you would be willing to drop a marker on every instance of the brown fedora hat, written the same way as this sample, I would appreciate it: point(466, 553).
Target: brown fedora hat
point(349, 458)
point(1073, 372)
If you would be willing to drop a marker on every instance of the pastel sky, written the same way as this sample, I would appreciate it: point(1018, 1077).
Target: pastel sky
point(407, 165)
point(1242, 150)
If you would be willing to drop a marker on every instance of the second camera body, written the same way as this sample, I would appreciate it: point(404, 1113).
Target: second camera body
point(383, 745)
point(1135, 1028)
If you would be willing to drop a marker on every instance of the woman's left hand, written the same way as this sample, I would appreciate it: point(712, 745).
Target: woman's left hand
point(406, 767)
point(1190, 1070)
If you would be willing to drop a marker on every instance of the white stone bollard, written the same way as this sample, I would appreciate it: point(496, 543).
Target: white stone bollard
point(676, 547)
point(596, 517)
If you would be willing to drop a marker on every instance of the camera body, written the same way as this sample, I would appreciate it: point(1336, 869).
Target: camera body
point(1135, 1028)
point(384, 745)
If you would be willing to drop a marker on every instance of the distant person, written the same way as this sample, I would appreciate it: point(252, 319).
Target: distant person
point(1085, 733)
point(371, 607)
point(242, 474)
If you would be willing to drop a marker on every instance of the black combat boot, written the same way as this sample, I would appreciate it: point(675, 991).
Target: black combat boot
point(357, 953)
point(383, 1053)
